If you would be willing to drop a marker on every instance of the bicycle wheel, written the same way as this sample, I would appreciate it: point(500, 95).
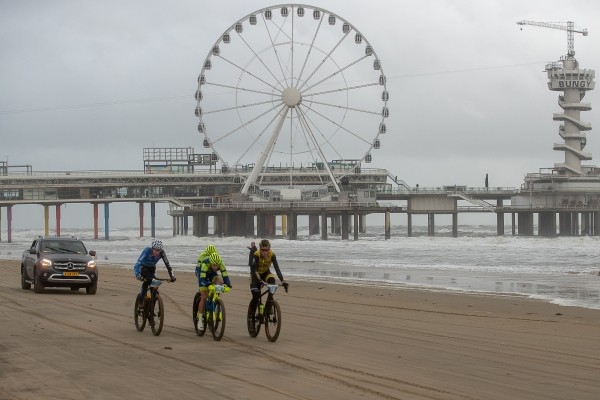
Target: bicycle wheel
point(139, 315)
point(272, 320)
point(253, 321)
point(156, 315)
point(217, 321)
point(198, 326)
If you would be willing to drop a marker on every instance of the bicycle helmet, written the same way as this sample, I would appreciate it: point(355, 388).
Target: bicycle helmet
point(210, 249)
point(215, 259)
point(157, 244)
point(265, 244)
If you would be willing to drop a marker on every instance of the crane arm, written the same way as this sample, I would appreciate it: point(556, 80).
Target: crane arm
point(568, 28)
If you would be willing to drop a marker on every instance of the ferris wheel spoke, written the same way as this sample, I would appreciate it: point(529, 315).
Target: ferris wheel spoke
point(308, 142)
point(345, 108)
point(356, 135)
point(312, 43)
point(266, 151)
point(324, 60)
point(309, 138)
point(253, 143)
point(319, 150)
point(238, 107)
point(344, 89)
point(307, 119)
point(249, 73)
point(244, 124)
point(292, 51)
point(279, 30)
point(339, 71)
point(238, 88)
point(259, 58)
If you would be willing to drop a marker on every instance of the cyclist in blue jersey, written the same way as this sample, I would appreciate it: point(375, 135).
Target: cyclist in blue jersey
point(145, 267)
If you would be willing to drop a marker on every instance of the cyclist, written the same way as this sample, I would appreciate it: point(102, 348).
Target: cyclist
point(145, 267)
point(207, 272)
point(252, 249)
point(210, 249)
point(260, 271)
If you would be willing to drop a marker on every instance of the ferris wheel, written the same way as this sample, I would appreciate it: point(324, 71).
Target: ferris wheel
point(291, 90)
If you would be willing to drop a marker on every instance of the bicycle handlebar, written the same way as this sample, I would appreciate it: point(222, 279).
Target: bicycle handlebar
point(156, 282)
point(219, 288)
point(272, 287)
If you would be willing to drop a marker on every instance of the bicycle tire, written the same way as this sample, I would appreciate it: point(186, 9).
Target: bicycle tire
point(139, 316)
point(199, 332)
point(217, 320)
point(253, 321)
point(272, 320)
point(156, 313)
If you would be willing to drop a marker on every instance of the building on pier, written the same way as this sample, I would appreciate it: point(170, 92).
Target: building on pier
point(569, 190)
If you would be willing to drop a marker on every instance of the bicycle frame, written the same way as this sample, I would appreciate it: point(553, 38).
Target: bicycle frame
point(267, 314)
point(214, 312)
point(214, 292)
point(269, 291)
point(148, 308)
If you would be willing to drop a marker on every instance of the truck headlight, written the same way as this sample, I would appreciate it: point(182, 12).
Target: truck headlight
point(44, 262)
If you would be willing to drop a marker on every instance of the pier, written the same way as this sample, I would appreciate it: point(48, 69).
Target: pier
point(194, 198)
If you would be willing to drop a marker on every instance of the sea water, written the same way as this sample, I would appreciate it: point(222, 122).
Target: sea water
point(562, 270)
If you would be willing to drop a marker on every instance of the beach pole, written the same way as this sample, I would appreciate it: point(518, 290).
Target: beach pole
point(141, 217)
point(387, 225)
point(153, 219)
point(323, 225)
point(46, 219)
point(9, 223)
point(58, 220)
point(106, 216)
point(95, 221)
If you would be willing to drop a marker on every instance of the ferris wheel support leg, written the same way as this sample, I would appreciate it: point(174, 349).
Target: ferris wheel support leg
point(265, 153)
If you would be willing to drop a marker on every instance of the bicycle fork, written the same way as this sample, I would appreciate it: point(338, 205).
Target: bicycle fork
point(210, 311)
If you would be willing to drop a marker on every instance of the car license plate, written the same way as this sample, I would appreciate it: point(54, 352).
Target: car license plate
point(71, 273)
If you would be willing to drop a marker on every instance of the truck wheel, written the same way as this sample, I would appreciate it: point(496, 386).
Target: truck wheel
point(92, 289)
point(37, 284)
point(24, 284)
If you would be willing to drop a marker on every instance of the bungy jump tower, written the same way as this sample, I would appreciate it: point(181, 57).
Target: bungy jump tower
point(570, 190)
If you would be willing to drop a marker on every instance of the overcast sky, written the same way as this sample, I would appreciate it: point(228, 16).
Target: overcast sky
point(86, 85)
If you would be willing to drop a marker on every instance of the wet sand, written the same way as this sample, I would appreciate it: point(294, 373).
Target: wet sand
point(337, 342)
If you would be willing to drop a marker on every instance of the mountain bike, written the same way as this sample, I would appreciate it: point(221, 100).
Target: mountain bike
point(267, 314)
point(214, 312)
point(152, 310)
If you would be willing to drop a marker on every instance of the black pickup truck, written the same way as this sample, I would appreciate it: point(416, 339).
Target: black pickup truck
point(59, 262)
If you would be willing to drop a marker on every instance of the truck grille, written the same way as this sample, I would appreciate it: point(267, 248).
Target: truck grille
point(69, 266)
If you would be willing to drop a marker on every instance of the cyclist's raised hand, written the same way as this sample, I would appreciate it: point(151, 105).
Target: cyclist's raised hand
point(173, 279)
point(285, 285)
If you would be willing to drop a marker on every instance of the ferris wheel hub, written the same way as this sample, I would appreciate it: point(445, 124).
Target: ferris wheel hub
point(291, 97)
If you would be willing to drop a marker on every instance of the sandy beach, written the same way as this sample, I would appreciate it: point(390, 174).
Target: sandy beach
point(337, 342)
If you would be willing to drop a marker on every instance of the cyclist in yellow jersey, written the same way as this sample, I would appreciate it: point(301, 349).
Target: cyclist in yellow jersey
point(260, 271)
point(210, 249)
point(208, 274)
